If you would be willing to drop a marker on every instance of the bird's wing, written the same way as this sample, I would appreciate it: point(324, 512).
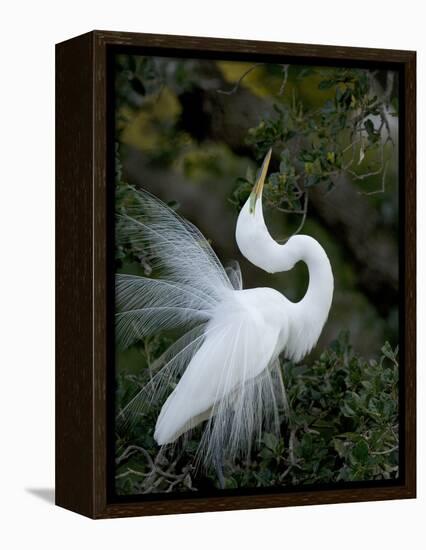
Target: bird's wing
point(222, 369)
point(148, 306)
point(192, 280)
point(232, 379)
point(177, 248)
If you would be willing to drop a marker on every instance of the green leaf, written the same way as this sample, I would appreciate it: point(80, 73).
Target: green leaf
point(360, 451)
point(388, 352)
point(270, 441)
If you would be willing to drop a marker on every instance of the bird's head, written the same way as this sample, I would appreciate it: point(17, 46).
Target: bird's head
point(252, 235)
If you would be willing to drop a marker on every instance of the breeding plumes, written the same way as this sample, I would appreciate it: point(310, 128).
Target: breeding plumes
point(224, 369)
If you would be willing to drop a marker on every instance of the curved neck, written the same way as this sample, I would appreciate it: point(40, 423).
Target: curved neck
point(317, 299)
point(258, 246)
point(316, 302)
point(312, 310)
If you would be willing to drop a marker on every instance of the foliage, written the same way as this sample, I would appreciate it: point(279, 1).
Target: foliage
point(340, 127)
point(327, 122)
point(342, 422)
point(342, 425)
point(340, 134)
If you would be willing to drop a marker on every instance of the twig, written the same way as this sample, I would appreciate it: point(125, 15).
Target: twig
point(150, 483)
point(304, 212)
point(373, 172)
point(287, 210)
point(386, 101)
point(385, 452)
point(135, 448)
point(237, 84)
point(285, 473)
point(248, 71)
point(285, 78)
point(291, 446)
point(284, 210)
point(130, 471)
point(382, 187)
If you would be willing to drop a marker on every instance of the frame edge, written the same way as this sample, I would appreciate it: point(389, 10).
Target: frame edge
point(74, 384)
point(81, 377)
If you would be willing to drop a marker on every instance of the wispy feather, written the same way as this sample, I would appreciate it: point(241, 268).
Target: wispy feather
point(224, 368)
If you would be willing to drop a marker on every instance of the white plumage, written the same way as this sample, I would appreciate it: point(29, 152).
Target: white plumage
point(224, 369)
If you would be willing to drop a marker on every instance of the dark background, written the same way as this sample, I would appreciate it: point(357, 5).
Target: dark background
point(194, 132)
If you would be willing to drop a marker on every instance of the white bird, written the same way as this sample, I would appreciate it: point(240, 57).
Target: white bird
point(224, 370)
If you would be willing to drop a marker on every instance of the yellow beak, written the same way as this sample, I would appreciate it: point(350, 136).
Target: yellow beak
point(258, 186)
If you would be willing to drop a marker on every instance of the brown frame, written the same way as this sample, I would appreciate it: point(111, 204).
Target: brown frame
point(81, 276)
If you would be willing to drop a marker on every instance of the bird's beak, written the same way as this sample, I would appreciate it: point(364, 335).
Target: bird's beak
point(258, 186)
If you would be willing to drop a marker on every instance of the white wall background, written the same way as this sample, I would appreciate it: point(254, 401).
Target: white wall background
point(29, 30)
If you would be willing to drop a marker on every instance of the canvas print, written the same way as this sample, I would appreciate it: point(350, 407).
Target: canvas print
point(256, 299)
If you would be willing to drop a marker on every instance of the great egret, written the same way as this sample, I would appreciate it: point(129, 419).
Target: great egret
point(224, 369)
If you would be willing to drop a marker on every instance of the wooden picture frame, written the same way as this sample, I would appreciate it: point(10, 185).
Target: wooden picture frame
point(83, 279)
